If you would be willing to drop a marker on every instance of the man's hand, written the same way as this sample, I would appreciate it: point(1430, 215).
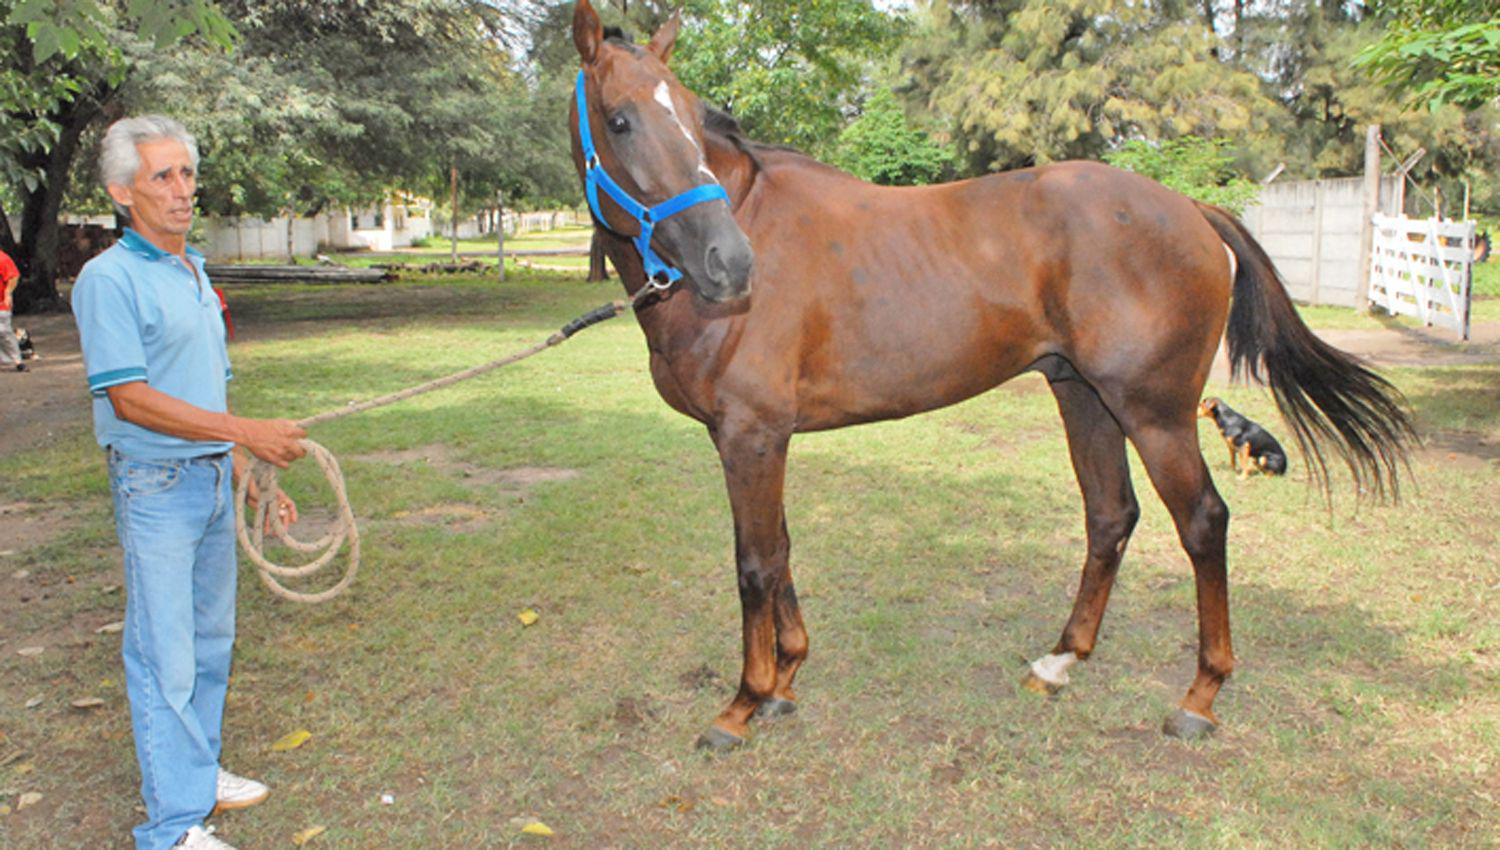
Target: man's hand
point(285, 508)
point(275, 441)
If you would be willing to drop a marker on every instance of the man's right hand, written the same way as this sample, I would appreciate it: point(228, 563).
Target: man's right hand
point(275, 441)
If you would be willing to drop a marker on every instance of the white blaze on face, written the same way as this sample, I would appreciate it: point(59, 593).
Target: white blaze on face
point(663, 96)
point(1054, 668)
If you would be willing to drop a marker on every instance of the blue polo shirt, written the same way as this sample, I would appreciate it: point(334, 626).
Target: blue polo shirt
point(144, 316)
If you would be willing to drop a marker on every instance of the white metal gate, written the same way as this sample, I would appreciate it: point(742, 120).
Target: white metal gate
point(1422, 268)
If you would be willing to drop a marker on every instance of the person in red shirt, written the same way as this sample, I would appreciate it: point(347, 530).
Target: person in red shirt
point(10, 349)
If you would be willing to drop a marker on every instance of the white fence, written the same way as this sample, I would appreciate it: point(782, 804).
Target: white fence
point(257, 238)
point(389, 227)
point(1423, 268)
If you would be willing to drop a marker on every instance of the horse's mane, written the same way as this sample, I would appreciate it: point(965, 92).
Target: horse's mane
point(727, 127)
point(621, 38)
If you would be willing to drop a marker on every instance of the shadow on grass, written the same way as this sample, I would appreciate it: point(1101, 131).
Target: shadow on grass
point(1455, 408)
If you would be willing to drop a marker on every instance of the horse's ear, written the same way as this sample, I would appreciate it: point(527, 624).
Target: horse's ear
point(666, 37)
point(588, 33)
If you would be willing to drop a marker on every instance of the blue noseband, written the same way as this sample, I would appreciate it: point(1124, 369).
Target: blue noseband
point(658, 273)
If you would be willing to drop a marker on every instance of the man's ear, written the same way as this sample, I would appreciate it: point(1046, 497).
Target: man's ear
point(121, 194)
point(588, 33)
point(666, 37)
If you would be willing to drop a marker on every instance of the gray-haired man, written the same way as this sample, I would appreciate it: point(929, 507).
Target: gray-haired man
point(157, 365)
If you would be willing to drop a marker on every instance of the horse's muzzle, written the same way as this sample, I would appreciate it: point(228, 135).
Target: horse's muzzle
point(726, 269)
point(712, 251)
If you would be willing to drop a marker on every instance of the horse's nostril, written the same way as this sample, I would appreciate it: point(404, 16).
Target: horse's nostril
point(718, 271)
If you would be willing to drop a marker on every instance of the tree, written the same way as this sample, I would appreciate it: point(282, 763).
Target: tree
point(64, 64)
point(1021, 82)
point(789, 70)
point(342, 102)
point(1199, 168)
point(882, 146)
point(1438, 51)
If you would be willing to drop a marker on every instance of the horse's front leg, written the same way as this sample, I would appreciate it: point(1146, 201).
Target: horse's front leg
point(754, 459)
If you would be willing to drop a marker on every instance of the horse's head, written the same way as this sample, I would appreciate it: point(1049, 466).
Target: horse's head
point(647, 133)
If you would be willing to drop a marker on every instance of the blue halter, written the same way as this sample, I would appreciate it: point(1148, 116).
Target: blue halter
point(658, 273)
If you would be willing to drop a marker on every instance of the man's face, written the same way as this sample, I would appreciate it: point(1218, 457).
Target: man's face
point(160, 197)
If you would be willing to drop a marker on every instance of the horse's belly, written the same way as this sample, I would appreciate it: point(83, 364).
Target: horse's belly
point(905, 375)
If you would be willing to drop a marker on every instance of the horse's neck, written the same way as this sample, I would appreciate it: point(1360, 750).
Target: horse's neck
point(669, 326)
point(733, 168)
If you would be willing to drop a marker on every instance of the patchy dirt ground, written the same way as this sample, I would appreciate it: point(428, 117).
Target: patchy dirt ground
point(37, 405)
point(423, 683)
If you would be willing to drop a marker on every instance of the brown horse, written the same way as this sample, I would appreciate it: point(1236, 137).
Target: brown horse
point(866, 303)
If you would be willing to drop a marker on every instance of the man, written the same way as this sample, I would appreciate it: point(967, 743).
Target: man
point(10, 349)
point(154, 352)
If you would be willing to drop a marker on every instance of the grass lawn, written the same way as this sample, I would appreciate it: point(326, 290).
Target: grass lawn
point(1487, 278)
point(562, 237)
point(933, 555)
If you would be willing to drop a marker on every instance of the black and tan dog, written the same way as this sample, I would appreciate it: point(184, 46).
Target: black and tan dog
point(23, 340)
point(1251, 447)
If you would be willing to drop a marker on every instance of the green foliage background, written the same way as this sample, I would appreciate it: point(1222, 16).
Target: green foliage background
point(1199, 168)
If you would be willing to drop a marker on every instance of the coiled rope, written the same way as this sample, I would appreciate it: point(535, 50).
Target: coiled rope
point(251, 524)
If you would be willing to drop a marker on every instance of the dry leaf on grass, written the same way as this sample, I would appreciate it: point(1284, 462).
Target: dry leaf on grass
point(528, 617)
point(30, 798)
point(34, 702)
point(87, 702)
point(30, 651)
point(308, 834)
point(110, 628)
point(536, 827)
point(676, 801)
point(291, 741)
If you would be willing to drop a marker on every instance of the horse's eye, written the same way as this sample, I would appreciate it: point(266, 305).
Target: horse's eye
point(618, 124)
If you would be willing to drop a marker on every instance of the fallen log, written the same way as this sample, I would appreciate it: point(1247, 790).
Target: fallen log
point(228, 273)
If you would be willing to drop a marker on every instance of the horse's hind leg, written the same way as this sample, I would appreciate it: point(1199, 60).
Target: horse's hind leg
point(1097, 447)
point(1172, 459)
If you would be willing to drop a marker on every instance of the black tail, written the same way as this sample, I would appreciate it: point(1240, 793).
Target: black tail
point(1324, 394)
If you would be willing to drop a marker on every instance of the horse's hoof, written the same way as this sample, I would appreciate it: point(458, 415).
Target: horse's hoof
point(1037, 685)
point(775, 707)
point(716, 740)
point(1187, 726)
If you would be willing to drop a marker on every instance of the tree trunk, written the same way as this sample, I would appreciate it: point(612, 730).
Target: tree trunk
point(453, 178)
point(1239, 31)
point(41, 231)
point(7, 239)
point(598, 268)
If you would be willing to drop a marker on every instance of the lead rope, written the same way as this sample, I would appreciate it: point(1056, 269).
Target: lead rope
point(252, 530)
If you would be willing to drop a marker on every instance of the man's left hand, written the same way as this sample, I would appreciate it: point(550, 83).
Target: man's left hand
point(285, 510)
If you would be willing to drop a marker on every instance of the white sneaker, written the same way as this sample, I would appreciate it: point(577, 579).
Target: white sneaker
point(198, 838)
point(237, 792)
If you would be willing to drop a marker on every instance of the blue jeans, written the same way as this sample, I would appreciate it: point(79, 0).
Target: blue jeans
point(175, 519)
